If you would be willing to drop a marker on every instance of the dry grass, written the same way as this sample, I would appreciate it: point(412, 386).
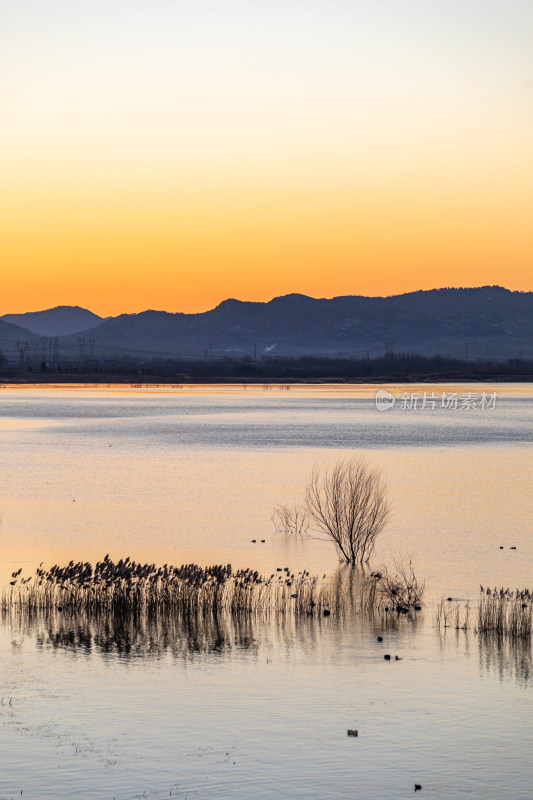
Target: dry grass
point(506, 613)
point(399, 588)
point(130, 587)
point(455, 616)
point(500, 611)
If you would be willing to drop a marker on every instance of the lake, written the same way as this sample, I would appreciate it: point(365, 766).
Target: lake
point(257, 707)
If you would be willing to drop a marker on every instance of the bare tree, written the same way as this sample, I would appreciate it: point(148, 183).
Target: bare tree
point(290, 520)
point(348, 503)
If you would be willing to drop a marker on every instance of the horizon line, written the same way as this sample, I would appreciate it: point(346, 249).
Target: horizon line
point(266, 302)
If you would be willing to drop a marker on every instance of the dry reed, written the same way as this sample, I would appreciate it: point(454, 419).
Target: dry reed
point(500, 611)
point(127, 586)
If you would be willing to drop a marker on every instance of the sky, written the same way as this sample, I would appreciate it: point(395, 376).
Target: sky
point(167, 154)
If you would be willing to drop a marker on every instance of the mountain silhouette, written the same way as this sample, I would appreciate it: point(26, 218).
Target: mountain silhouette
point(488, 321)
point(58, 321)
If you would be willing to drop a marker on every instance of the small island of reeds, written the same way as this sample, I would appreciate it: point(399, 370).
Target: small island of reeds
point(127, 586)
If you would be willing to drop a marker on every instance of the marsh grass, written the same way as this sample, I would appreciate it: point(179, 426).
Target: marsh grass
point(500, 611)
point(131, 590)
point(399, 588)
point(506, 613)
point(455, 616)
point(130, 587)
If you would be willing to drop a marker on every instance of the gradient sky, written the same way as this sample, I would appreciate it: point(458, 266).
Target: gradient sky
point(168, 154)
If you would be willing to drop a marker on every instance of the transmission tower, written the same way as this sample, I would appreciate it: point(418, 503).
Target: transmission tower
point(54, 349)
point(22, 347)
point(81, 345)
point(44, 345)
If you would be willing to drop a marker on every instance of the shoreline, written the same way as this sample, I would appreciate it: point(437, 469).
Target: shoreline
point(91, 379)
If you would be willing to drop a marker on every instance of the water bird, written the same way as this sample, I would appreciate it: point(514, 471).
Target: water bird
point(417, 787)
point(386, 657)
point(350, 732)
point(380, 638)
point(326, 612)
point(253, 541)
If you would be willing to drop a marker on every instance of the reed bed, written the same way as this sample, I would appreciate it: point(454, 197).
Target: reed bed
point(130, 587)
point(500, 611)
point(506, 613)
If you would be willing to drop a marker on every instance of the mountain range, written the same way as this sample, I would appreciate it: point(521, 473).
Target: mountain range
point(488, 321)
point(58, 321)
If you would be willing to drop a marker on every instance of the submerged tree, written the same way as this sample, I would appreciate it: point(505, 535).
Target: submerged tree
point(289, 519)
point(348, 503)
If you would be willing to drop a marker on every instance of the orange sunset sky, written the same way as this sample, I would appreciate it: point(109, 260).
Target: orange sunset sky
point(158, 155)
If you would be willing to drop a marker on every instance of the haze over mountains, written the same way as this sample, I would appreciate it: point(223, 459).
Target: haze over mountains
point(481, 322)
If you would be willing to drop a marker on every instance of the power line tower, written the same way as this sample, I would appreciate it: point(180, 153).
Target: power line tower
point(81, 346)
point(54, 350)
point(91, 347)
point(44, 346)
point(22, 347)
point(389, 347)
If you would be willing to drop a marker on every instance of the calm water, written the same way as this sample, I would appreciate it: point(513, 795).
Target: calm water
point(103, 709)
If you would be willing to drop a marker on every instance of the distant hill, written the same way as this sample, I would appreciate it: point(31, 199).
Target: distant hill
point(11, 334)
point(58, 321)
point(487, 321)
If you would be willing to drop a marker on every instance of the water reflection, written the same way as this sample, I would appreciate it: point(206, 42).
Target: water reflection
point(151, 634)
point(182, 633)
point(508, 657)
